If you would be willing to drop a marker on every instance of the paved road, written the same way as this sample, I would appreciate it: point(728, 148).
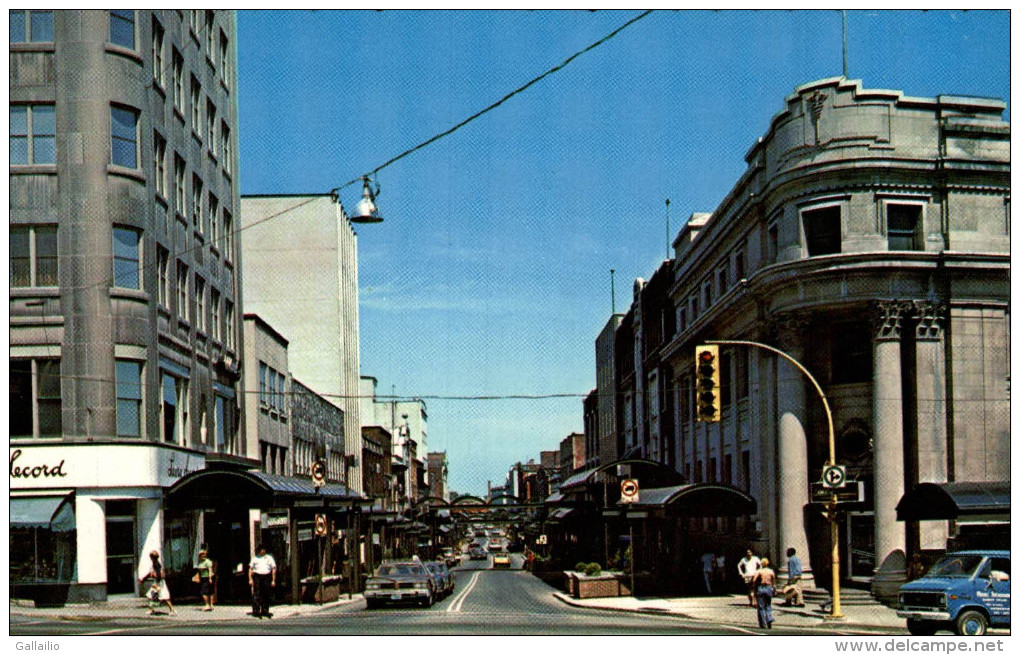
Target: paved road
point(485, 602)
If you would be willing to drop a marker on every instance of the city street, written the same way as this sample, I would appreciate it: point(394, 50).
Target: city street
point(484, 602)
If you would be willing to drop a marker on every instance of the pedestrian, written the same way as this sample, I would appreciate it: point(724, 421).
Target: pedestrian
point(792, 591)
point(747, 568)
point(158, 591)
point(708, 570)
point(262, 579)
point(764, 583)
point(720, 572)
point(205, 578)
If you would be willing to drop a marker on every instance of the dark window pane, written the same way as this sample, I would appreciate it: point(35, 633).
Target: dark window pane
point(128, 418)
point(125, 258)
point(122, 27)
point(44, 122)
point(851, 353)
point(822, 229)
point(20, 263)
point(42, 26)
point(903, 222)
point(44, 150)
point(18, 26)
point(19, 150)
point(21, 398)
point(49, 378)
point(129, 380)
point(49, 418)
point(19, 120)
point(123, 123)
point(46, 256)
point(125, 274)
point(122, 126)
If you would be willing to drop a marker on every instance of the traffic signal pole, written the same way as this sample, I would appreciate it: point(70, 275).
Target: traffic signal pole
point(836, 611)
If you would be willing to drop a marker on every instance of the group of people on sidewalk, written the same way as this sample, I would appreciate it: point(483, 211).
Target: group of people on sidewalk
point(261, 580)
point(760, 581)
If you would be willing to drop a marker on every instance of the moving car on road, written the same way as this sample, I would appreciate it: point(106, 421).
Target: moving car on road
point(965, 592)
point(501, 561)
point(400, 581)
point(442, 576)
point(478, 553)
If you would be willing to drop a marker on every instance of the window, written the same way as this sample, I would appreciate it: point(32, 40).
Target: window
point(200, 303)
point(850, 344)
point(822, 231)
point(228, 235)
point(681, 319)
point(227, 149)
point(178, 65)
point(163, 263)
point(35, 398)
point(214, 311)
point(126, 259)
point(224, 60)
point(727, 470)
point(214, 221)
point(159, 163)
point(174, 391)
point(157, 51)
point(228, 324)
point(725, 386)
point(33, 256)
point(773, 244)
point(741, 357)
point(263, 384)
point(33, 134)
point(903, 225)
point(694, 307)
point(179, 201)
point(210, 34)
point(738, 267)
point(196, 107)
point(280, 394)
point(745, 468)
point(210, 117)
point(31, 26)
point(122, 28)
point(124, 135)
point(224, 419)
point(182, 291)
point(129, 398)
point(724, 283)
point(196, 204)
point(708, 293)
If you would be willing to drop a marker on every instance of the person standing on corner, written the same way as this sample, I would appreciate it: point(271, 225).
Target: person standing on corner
point(747, 568)
point(764, 583)
point(792, 590)
point(262, 579)
point(708, 570)
point(205, 578)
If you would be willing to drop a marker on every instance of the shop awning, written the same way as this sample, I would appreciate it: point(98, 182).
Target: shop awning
point(701, 499)
point(208, 488)
point(941, 501)
point(559, 514)
point(577, 480)
point(38, 511)
point(554, 498)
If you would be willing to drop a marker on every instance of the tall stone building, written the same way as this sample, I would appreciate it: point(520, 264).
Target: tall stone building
point(869, 240)
point(307, 242)
point(125, 300)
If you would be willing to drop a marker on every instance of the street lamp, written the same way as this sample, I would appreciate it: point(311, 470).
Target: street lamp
point(366, 210)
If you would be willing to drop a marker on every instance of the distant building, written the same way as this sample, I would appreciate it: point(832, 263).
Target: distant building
point(571, 454)
point(377, 454)
point(438, 475)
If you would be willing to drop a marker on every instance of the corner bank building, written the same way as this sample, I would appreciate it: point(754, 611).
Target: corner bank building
point(868, 238)
point(124, 289)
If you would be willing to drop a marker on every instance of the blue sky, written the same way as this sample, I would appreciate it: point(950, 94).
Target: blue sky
point(490, 275)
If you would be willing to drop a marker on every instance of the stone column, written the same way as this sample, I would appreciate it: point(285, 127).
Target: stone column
point(887, 414)
point(931, 411)
point(792, 461)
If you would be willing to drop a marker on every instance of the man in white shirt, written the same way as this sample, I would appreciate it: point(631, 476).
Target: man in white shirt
point(262, 579)
point(747, 567)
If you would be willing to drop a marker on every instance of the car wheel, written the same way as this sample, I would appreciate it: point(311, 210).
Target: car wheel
point(921, 628)
point(971, 623)
point(371, 604)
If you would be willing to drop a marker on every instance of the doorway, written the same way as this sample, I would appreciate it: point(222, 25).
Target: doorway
point(121, 547)
point(860, 528)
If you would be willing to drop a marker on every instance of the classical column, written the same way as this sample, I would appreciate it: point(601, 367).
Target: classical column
point(792, 460)
point(887, 414)
point(931, 411)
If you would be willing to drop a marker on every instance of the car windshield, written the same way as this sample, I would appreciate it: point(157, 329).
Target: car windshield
point(397, 569)
point(432, 567)
point(955, 566)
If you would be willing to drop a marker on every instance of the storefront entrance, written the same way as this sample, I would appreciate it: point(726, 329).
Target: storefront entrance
point(860, 528)
point(229, 546)
point(121, 551)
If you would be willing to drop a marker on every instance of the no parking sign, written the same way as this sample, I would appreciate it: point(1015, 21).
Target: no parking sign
point(629, 491)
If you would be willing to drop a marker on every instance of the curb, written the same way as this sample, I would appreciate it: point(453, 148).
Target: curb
point(298, 610)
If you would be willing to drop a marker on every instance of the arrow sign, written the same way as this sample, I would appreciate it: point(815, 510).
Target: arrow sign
point(834, 476)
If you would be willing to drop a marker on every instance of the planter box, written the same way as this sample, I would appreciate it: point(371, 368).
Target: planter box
point(313, 592)
point(605, 585)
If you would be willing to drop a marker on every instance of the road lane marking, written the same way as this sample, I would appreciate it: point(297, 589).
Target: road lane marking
point(458, 602)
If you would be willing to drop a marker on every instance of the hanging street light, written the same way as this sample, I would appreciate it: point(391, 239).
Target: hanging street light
point(366, 210)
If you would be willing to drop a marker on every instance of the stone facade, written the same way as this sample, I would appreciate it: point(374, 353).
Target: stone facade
point(318, 428)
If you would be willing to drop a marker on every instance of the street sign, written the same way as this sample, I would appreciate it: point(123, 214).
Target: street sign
point(542, 540)
point(852, 491)
point(321, 526)
point(319, 473)
point(629, 491)
point(834, 476)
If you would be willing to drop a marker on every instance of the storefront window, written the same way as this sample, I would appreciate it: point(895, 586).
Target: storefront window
point(42, 541)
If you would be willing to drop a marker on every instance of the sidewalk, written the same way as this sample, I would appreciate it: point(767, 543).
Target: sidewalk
point(137, 608)
point(734, 610)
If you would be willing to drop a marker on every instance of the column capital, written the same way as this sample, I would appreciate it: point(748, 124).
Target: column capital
point(929, 316)
point(787, 330)
point(887, 318)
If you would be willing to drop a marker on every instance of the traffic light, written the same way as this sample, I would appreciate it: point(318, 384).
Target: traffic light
point(706, 370)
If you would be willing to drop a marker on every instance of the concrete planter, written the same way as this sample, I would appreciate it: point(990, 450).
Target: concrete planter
point(605, 585)
point(313, 592)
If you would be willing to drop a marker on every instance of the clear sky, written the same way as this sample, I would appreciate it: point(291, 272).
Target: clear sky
point(490, 275)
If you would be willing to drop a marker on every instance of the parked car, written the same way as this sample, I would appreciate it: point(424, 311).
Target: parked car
point(401, 581)
point(501, 561)
point(478, 553)
point(965, 592)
